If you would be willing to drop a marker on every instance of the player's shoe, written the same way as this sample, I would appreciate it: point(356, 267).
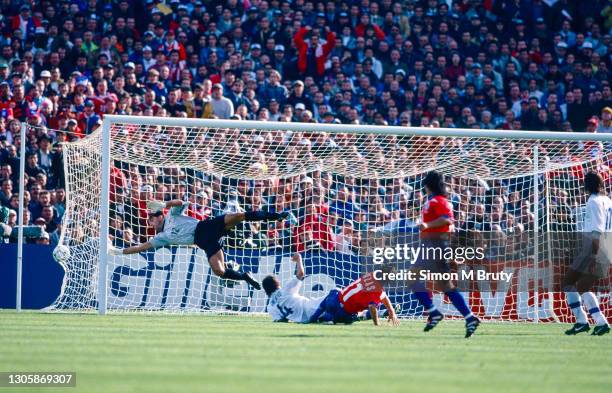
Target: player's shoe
point(471, 325)
point(248, 277)
point(577, 328)
point(432, 321)
point(600, 330)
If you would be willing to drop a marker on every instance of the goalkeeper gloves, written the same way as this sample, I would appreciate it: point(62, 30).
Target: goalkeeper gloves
point(156, 206)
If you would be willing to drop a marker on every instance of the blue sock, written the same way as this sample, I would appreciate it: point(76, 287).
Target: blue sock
point(460, 304)
point(422, 295)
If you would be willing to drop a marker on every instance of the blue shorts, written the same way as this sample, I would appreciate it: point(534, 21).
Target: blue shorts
point(334, 311)
point(433, 260)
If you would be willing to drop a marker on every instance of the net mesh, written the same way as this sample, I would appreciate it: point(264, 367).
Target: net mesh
point(347, 193)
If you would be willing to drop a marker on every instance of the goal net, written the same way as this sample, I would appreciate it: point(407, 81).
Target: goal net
point(352, 191)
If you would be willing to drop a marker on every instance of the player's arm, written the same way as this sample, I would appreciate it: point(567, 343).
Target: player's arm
point(443, 213)
point(437, 223)
point(390, 310)
point(299, 266)
point(373, 313)
point(131, 250)
point(174, 203)
point(598, 224)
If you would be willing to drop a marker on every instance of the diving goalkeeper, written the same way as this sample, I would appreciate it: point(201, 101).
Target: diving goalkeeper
point(174, 228)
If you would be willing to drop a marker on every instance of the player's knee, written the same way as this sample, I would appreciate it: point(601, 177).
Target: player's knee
point(218, 269)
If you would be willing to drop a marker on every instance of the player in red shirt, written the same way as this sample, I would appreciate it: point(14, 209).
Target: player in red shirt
point(346, 305)
point(435, 230)
point(366, 293)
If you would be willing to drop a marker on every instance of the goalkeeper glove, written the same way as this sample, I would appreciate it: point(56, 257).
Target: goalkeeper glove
point(156, 205)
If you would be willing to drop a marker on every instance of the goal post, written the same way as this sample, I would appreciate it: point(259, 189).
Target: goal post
point(104, 214)
point(350, 189)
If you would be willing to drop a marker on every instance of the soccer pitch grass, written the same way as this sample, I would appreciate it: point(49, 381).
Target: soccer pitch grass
point(205, 353)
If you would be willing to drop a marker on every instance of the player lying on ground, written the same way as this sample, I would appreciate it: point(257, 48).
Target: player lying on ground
point(360, 298)
point(175, 228)
point(286, 304)
point(593, 260)
point(435, 229)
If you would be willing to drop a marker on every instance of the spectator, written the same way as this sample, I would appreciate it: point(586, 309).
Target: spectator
point(486, 65)
point(222, 107)
point(313, 54)
point(605, 126)
point(6, 191)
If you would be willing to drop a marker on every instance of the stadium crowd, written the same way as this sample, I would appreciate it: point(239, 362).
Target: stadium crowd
point(490, 64)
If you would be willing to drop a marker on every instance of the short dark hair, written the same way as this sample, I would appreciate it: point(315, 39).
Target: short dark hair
point(435, 182)
point(270, 284)
point(593, 182)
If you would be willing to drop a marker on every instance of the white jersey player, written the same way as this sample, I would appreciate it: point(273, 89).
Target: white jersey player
point(286, 304)
point(593, 259)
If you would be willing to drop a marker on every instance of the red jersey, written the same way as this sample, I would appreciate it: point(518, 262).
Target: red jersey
point(435, 208)
point(361, 293)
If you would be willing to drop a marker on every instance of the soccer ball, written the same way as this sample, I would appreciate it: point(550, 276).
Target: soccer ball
point(61, 253)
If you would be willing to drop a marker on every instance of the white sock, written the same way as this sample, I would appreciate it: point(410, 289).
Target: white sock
point(592, 305)
point(573, 301)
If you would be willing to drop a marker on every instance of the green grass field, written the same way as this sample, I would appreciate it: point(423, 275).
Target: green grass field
point(204, 353)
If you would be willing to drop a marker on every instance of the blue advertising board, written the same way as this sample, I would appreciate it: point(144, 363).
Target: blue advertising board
point(175, 278)
point(41, 276)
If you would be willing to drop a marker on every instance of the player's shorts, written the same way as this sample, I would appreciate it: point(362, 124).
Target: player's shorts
point(334, 310)
point(208, 235)
point(432, 256)
point(586, 262)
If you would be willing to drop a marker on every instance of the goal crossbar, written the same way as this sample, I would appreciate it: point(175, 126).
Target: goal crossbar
point(357, 128)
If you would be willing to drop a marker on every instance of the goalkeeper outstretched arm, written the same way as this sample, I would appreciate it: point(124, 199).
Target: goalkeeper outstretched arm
point(154, 206)
point(131, 250)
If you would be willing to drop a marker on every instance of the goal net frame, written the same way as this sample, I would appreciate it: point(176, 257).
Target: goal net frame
point(107, 160)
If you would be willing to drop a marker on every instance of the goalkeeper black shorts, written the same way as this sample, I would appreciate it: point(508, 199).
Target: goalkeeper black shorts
point(208, 235)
